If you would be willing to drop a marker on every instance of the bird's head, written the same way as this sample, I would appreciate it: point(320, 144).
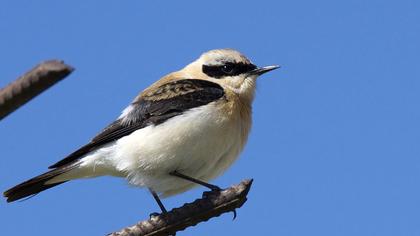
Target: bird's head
point(229, 68)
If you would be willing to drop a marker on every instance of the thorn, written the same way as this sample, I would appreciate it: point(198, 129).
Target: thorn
point(234, 214)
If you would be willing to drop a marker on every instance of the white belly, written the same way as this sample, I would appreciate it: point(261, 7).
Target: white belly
point(201, 143)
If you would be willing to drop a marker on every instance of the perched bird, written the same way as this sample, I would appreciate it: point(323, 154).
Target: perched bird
point(183, 130)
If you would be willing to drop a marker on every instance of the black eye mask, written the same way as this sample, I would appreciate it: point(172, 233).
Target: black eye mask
point(227, 69)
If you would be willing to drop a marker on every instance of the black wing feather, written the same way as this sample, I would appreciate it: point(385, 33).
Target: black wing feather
point(185, 94)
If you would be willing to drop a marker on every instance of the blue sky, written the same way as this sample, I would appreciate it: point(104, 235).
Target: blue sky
point(334, 148)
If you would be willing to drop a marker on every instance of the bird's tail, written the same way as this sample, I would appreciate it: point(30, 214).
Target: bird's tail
point(36, 184)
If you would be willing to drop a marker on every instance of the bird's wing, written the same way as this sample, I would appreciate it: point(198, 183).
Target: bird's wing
point(153, 108)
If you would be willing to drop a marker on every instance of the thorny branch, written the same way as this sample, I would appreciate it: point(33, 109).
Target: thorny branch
point(213, 204)
point(31, 84)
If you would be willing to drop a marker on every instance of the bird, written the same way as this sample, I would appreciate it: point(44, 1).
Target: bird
point(182, 131)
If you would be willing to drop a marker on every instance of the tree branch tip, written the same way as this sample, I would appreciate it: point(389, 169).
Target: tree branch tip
point(32, 83)
point(55, 65)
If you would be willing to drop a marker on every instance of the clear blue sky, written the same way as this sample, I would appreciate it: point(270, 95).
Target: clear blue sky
point(334, 148)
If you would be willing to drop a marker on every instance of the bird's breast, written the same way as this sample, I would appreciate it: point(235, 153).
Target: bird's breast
point(202, 143)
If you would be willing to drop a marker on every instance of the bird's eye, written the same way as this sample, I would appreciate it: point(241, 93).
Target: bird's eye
point(228, 69)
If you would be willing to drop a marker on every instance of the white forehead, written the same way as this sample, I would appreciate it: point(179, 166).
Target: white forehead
point(221, 56)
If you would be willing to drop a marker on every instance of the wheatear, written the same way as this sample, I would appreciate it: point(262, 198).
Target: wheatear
point(185, 129)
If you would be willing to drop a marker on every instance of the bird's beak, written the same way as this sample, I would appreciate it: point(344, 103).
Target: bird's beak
point(262, 70)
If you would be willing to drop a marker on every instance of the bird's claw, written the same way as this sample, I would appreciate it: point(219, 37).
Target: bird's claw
point(207, 194)
point(153, 215)
point(213, 192)
point(216, 188)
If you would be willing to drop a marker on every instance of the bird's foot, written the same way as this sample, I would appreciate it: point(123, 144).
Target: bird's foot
point(215, 188)
point(153, 215)
point(213, 192)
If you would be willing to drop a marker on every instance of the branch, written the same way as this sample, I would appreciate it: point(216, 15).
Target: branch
point(212, 204)
point(31, 84)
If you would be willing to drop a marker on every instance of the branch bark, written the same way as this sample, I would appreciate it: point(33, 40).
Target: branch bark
point(31, 84)
point(212, 204)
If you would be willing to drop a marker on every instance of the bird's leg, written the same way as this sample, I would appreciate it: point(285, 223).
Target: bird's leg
point(210, 186)
point(159, 202)
point(182, 176)
point(162, 207)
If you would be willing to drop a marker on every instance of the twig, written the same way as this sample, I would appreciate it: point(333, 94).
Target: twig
point(31, 84)
point(213, 204)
